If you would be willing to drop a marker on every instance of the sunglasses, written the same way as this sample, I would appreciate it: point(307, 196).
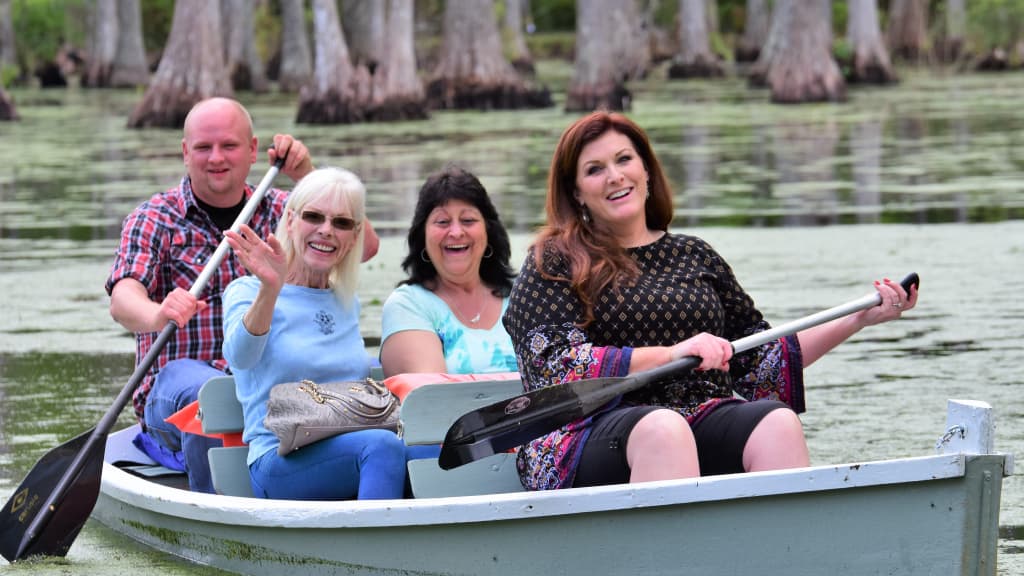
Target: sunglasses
point(338, 222)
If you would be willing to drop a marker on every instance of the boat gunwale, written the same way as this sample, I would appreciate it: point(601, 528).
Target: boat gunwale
point(142, 493)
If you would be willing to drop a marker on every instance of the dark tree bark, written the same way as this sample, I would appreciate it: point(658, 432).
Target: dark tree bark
point(130, 67)
point(363, 22)
point(397, 89)
point(755, 31)
point(338, 93)
point(103, 44)
point(796, 63)
point(296, 61)
point(189, 70)
point(870, 58)
point(907, 34)
point(241, 58)
point(8, 53)
point(695, 58)
point(951, 46)
point(599, 78)
point(472, 72)
point(518, 50)
point(7, 111)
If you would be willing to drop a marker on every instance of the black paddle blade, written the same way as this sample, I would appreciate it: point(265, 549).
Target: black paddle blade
point(61, 522)
point(496, 428)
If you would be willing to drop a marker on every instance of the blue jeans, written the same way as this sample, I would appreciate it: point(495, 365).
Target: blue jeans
point(368, 464)
point(176, 386)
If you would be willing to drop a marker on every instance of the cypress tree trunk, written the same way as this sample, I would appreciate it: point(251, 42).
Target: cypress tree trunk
point(599, 77)
point(8, 53)
point(472, 72)
point(519, 51)
point(755, 31)
point(130, 67)
point(397, 90)
point(870, 58)
point(103, 44)
point(7, 111)
point(952, 44)
point(189, 70)
point(338, 93)
point(363, 22)
point(695, 59)
point(296, 66)
point(907, 34)
point(797, 63)
point(243, 62)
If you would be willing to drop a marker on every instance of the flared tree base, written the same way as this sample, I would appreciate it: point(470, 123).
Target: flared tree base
point(585, 99)
point(399, 109)
point(450, 94)
point(330, 108)
point(700, 67)
point(163, 107)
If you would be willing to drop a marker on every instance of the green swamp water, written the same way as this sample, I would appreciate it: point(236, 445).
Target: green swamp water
point(809, 204)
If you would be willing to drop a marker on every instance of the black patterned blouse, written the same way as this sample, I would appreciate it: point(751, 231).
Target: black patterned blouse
point(684, 288)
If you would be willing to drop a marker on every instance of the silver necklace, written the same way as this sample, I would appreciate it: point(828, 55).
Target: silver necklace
point(462, 312)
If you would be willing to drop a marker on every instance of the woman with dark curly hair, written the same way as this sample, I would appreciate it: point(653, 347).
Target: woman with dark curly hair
point(446, 316)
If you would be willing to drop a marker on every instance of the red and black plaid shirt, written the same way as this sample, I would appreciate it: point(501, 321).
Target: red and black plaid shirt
point(165, 243)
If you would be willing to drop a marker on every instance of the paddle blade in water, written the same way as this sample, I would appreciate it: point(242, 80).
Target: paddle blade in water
point(64, 518)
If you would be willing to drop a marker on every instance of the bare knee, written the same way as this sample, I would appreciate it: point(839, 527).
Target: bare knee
point(661, 446)
point(776, 442)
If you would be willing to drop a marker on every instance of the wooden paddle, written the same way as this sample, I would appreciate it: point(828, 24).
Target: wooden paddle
point(48, 509)
point(503, 425)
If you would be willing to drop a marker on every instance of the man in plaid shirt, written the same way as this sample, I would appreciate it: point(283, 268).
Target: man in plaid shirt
point(165, 244)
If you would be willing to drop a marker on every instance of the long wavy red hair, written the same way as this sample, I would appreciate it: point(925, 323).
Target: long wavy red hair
point(596, 261)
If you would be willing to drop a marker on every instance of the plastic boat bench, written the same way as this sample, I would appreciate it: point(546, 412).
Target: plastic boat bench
point(426, 414)
point(221, 413)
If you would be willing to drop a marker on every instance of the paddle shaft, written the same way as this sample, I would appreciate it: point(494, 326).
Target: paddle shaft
point(553, 404)
point(106, 423)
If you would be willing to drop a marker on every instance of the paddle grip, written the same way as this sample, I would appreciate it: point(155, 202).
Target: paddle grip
point(912, 279)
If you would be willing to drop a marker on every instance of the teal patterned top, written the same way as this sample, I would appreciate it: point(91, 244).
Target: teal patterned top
point(466, 350)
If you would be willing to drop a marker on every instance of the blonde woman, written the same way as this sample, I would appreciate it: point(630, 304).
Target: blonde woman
point(297, 317)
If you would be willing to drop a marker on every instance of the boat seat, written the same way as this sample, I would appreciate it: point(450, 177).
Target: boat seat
point(427, 413)
point(221, 413)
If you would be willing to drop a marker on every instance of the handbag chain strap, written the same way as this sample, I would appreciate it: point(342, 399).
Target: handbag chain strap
point(316, 392)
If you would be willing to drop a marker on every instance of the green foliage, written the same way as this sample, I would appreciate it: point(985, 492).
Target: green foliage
point(40, 26)
point(157, 16)
point(554, 15)
point(995, 23)
point(556, 45)
point(7, 75)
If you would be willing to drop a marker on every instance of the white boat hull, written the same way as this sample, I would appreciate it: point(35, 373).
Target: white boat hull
point(928, 515)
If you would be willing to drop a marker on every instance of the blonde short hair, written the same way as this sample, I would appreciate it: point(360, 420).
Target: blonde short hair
point(341, 188)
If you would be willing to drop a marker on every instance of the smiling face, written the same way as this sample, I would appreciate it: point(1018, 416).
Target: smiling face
point(219, 149)
point(320, 246)
point(456, 238)
point(611, 180)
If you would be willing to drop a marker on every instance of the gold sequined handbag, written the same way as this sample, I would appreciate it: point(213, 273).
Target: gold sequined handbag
point(300, 413)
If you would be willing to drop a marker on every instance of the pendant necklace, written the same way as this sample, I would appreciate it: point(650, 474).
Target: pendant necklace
point(462, 312)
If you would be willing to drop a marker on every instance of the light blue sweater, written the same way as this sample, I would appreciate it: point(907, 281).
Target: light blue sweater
point(312, 336)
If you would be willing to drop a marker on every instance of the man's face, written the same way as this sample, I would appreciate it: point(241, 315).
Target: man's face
point(219, 149)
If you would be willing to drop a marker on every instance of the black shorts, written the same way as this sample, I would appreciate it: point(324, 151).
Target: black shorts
point(720, 435)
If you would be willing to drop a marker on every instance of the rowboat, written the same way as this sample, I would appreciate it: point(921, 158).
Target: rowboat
point(930, 514)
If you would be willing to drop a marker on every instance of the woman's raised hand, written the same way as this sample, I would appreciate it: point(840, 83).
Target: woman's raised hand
point(264, 260)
